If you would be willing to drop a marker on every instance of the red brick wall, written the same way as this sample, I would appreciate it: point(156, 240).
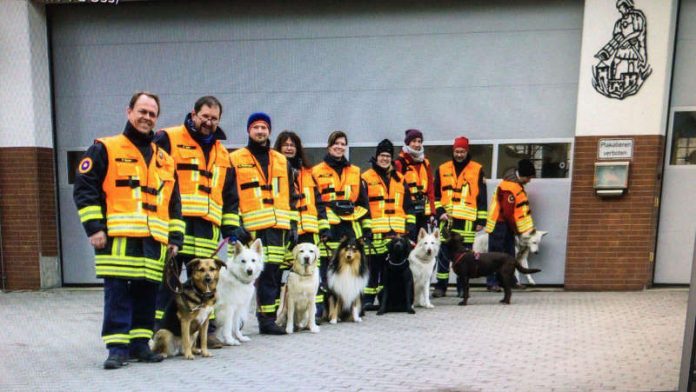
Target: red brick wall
point(27, 213)
point(611, 241)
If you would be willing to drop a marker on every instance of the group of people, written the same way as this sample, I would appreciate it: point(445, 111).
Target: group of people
point(146, 197)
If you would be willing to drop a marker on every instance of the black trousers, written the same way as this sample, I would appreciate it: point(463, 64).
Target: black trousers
point(129, 308)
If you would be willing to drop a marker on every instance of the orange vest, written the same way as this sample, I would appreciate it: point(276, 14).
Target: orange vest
point(417, 182)
point(200, 185)
point(137, 195)
point(458, 194)
point(386, 209)
point(522, 212)
point(306, 204)
point(333, 187)
point(263, 202)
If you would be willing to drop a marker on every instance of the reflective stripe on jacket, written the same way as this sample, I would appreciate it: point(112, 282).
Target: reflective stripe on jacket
point(263, 202)
point(137, 195)
point(417, 182)
point(386, 205)
point(306, 204)
point(458, 193)
point(200, 185)
point(333, 187)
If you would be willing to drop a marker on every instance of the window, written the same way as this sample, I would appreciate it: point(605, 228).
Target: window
point(550, 159)
point(315, 154)
point(683, 139)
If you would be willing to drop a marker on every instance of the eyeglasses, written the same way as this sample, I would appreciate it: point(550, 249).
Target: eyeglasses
point(212, 120)
point(289, 145)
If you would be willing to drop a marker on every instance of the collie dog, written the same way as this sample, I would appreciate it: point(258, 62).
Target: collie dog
point(347, 278)
point(235, 292)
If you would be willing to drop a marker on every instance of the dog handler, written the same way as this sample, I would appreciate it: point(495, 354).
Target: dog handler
point(509, 212)
point(461, 196)
point(344, 195)
point(206, 186)
point(266, 208)
point(418, 175)
point(390, 207)
point(311, 212)
point(128, 201)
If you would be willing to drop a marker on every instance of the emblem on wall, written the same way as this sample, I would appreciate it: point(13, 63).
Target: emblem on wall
point(623, 62)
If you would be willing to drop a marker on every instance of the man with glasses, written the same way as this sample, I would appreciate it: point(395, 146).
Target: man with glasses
point(208, 203)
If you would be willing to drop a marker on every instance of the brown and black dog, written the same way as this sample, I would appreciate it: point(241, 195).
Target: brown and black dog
point(188, 314)
point(467, 264)
point(347, 278)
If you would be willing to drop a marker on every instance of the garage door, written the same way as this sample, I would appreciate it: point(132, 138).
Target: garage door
point(492, 70)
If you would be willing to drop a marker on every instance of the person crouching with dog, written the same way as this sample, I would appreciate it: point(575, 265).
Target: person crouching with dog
point(266, 197)
point(509, 213)
point(128, 201)
point(418, 177)
point(462, 199)
point(311, 212)
point(203, 172)
point(390, 207)
point(345, 197)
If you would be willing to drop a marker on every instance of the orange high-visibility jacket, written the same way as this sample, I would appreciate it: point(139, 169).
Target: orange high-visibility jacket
point(137, 196)
point(459, 193)
point(263, 202)
point(306, 203)
point(515, 201)
point(333, 187)
point(386, 207)
point(200, 185)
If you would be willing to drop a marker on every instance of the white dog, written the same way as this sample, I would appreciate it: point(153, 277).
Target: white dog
point(422, 262)
point(298, 297)
point(235, 291)
point(525, 244)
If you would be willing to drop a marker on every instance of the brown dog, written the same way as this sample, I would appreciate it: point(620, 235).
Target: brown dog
point(347, 278)
point(188, 315)
point(467, 264)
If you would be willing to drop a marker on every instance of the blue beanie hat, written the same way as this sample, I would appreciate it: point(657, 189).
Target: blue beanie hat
point(259, 116)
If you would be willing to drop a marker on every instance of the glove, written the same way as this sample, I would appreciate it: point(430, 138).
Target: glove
point(241, 234)
point(367, 235)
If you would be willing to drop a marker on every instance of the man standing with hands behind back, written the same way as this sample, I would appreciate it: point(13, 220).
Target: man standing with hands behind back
point(128, 201)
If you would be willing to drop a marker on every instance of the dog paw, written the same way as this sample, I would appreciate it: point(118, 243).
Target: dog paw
point(242, 338)
point(197, 351)
point(333, 321)
point(429, 306)
point(206, 354)
point(358, 320)
point(189, 356)
point(289, 330)
point(314, 329)
point(235, 342)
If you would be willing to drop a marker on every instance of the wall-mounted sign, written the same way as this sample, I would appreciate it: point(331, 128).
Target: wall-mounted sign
point(615, 149)
point(623, 61)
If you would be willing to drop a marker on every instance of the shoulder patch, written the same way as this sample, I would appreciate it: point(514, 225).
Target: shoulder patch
point(511, 199)
point(85, 165)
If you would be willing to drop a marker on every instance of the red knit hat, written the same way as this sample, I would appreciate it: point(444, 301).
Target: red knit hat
point(461, 142)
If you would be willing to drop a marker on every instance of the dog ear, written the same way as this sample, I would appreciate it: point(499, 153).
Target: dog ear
point(543, 233)
point(413, 244)
point(219, 263)
point(193, 264)
point(257, 246)
point(238, 247)
point(295, 251)
point(422, 233)
point(436, 233)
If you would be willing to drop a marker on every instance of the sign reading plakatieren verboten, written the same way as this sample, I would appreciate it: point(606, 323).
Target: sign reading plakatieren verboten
point(615, 149)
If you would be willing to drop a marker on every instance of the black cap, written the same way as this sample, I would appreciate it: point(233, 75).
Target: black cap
point(385, 146)
point(525, 168)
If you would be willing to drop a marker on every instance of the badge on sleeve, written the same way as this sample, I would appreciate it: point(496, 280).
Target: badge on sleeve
point(85, 165)
point(511, 199)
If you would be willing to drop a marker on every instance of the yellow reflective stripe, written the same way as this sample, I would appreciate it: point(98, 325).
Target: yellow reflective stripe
point(525, 224)
point(274, 254)
point(442, 275)
point(438, 204)
point(324, 224)
point(370, 290)
point(230, 219)
point(177, 225)
point(319, 298)
point(140, 333)
point(116, 338)
point(410, 219)
point(268, 308)
point(90, 213)
point(159, 314)
point(481, 214)
point(367, 223)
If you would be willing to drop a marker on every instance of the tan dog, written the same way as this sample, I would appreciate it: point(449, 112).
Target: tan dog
point(188, 315)
point(298, 296)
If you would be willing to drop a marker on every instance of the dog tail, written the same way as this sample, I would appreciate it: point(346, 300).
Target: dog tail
point(523, 270)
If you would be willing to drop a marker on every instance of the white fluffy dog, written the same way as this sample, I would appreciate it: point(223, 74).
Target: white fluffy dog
point(525, 244)
point(422, 262)
point(298, 297)
point(235, 291)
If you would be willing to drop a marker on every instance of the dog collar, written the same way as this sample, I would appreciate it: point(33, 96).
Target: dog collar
point(396, 264)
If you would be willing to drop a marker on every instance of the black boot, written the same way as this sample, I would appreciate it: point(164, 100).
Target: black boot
point(267, 326)
point(117, 359)
point(142, 353)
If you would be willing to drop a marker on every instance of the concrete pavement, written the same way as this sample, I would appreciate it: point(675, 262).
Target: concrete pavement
point(547, 340)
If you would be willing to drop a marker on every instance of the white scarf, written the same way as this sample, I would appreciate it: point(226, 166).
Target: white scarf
point(418, 156)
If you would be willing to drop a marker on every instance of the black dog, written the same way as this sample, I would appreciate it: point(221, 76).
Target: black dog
point(397, 294)
point(467, 264)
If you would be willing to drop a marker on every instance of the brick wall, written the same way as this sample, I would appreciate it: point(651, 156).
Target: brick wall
point(27, 213)
point(611, 241)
